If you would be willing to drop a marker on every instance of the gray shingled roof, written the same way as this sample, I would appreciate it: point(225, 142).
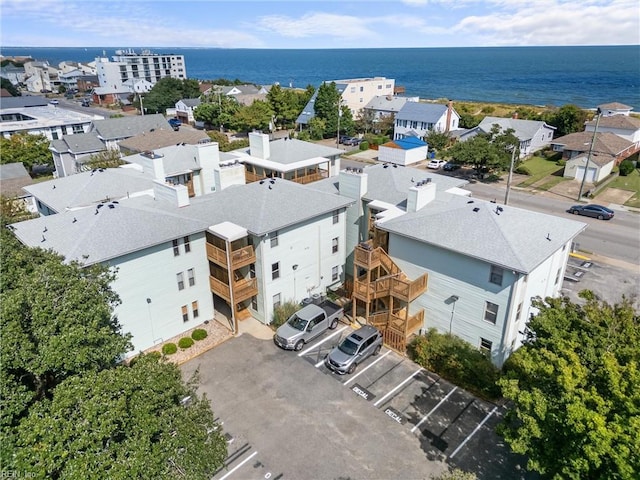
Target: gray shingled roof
point(175, 159)
point(515, 239)
point(614, 106)
point(523, 129)
point(24, 101)
point(606, 142)
point(140, 222)
point(191, 102)
point(91, 187)
point(10, 171)
point(622, 122)
point(89, 237)
point(125, 127)
point(79, 143)
point(164, 137)
point(386, 103)
point(422, 112)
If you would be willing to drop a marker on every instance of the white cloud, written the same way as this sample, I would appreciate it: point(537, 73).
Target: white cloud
point(315, 24)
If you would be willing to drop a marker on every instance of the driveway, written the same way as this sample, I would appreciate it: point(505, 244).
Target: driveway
point(287, 416)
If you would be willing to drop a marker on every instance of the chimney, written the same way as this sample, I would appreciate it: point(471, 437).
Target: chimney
point(207, 155)
point(175, 194)
point(449, 109)
point(227, 174)
point(420, 195)
point(259, 145)
point(352, 183)
point(153, 164)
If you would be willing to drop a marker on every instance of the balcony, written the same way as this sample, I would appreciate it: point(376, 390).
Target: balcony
point(239, 258)
point(242, 289)
point(396, 286)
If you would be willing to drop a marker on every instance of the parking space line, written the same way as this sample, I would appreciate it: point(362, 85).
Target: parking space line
point(239, 465)
point(433, 409)
point(323, 340)
point(367, 367)
point(397, 387)
point(474, 432)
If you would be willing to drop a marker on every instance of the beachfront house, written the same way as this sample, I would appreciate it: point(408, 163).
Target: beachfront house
point(417, 119)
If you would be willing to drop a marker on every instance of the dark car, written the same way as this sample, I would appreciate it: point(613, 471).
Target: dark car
point(175, 123)
point(450, 166)
point(343, 138)
point(592, 210)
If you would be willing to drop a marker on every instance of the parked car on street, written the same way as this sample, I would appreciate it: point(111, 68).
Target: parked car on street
point(54, 102)
point(354, 349)
point(592, 210)
point(343, 138)
point(354, 141)
point(307, 323)
point(450, 166)
point(435, 164)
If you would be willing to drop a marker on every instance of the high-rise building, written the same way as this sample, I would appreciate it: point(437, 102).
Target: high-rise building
point(127, 64)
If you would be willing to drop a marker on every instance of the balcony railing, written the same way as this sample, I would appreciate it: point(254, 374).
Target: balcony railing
point(239, 258)
point(400, 288)
point(242, 289)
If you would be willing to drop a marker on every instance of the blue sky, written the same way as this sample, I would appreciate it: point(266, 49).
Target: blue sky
point(318, 24)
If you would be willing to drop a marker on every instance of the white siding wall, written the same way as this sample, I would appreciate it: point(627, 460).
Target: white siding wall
point(151, 273)
point(402, 157)
point(308, 245)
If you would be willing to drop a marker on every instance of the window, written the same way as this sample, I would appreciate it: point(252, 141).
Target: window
point(176, 250)
point(276, 300)
point(496, 275)
point(334, 245)
point(490, 312)
point(192, 277)
point(275, 270)
point(187, 244)
point(362, 89)
point(185, 313)
point(180, 279)
point(254, 303)
point(379, 87)
point(336, 217)
point(274, 239)
point(485, 345)
point(519, 311)
point(194, 308)
point(335, 273)
point(252, 270)
point(558, 276)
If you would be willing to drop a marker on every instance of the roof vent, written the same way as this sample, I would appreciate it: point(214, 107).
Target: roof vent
point(476, 209)
point(470, 201)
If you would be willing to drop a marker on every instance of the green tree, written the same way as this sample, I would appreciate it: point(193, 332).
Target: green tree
point(285, 104)
point(138, 421)
point(217, 110)
point(109, 158)
point(167, 91)
point(26, 148)
point(437, 140)
point(317, 128)
point(477, 151)
point(326, 108)
point(575, 390)
point(256, 116)
point(9, 87)
point(14, 209)
point(366, 121)
point(567, 119)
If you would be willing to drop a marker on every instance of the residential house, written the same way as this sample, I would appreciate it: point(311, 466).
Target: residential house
point(184, 109)
point(403, 152)
point(243, 249)
point(39, 77)
point(244, 94)
point(160, 138)
point(608, 150)
point(13, 177)
point(138, 85)
point(427, 256)
point(87, 83)
point(111, 95)
point(533, 135)
point(15, 74)
point(417, 119)
point(355, 94)
point(112, 130)
point(624, 126)
point(69, 80)
point(386, 105)
point(615, 108)
point(69, 151)
point(291, 159)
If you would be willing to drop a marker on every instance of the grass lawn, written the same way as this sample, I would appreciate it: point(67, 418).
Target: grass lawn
point(539, 168)
point(632, 183)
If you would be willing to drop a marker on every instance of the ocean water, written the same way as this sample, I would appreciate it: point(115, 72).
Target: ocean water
point(584, 76)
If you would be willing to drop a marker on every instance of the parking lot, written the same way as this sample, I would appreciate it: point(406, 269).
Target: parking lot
point(291, 417)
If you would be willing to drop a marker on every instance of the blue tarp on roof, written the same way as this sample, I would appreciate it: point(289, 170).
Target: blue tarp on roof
point(408, 143)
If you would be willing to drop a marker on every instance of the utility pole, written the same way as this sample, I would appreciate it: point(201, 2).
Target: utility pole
point(593, 140)
point(339, 115)
point(513, 156)
point(141, 106)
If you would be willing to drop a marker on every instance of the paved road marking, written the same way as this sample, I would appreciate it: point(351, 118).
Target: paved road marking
point(368, 367)
point(239, 465)
point(474, 432)
point(398, 386)
point(320, 343)
point(433, 410)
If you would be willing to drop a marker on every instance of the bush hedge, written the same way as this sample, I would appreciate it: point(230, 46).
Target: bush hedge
point(199, 334)
point(282, 312)
point(169, 348)
point(364, 145)
point(457, 361)
point(185, 342)
point(626, 167)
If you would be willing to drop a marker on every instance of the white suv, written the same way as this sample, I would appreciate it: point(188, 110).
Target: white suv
point(435, 164)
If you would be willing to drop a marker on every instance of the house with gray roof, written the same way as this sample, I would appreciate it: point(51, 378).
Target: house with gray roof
point(68, 152)
point(436, 258)
point(533, 135)
point(113, 130)
point(417, 119)
point(184, 109)
point(385, 105)
point(624, 126)
point(162, 137)
point(13, 176)
point(176, 258)
point(288, 158)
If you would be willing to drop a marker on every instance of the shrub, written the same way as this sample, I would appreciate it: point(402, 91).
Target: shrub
point(457, 361)
point(199, 334)
point(185, 342)
point(364, 145)
point(562, 162)
point(626, 167)
point(283, 312)
point(169, 348)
